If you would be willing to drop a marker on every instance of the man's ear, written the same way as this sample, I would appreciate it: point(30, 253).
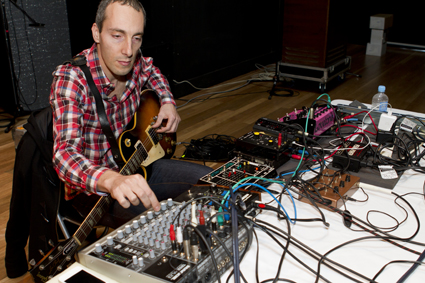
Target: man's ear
point(95, 32)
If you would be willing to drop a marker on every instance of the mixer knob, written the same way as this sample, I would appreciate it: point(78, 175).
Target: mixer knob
point(109, 241)
point(120, 234)
point(135, 224)
point(170, 202)
point(141, 263)
point(150, 215)
point(98, 248)
point(143, 219)
point(151, 253)
point(128, 229)
point(163, 206)
point(135, 261)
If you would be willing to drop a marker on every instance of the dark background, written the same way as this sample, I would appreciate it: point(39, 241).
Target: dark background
point(207, 42)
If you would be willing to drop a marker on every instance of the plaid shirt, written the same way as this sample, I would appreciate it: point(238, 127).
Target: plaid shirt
point(81, 151)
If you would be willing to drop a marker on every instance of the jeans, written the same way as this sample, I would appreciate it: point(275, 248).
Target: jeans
point(168, 179)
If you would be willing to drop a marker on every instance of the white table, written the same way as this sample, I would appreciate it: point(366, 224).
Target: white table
point(366, 257)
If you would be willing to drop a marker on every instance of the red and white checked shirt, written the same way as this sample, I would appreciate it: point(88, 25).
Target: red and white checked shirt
point(81, 151)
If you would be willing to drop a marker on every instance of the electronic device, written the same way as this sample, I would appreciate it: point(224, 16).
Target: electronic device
point(276, 128)
point(320, 119)
point(269, 149)
point(238, 168)
point(144, 249)
point(350, 157)
point(332, 186)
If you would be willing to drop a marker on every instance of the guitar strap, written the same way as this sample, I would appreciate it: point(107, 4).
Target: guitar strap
point(81, 62)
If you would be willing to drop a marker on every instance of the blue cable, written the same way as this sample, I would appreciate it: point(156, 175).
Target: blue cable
point(264, 189)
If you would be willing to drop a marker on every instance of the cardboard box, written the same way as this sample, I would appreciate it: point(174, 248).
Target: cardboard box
point(378, 36)
point(381, 21)
point(376, 49)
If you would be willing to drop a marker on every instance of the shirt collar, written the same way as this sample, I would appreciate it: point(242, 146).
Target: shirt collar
point(102, 80)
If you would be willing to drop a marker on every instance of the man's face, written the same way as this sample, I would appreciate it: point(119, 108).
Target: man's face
point(119, 41)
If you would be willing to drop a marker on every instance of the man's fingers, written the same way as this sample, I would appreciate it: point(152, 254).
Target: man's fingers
point(131, 190)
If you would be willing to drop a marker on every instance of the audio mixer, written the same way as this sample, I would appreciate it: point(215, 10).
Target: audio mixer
point(158, 247)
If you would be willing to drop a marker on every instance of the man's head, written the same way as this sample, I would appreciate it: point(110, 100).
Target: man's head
point(100, 15)
point(118, 33)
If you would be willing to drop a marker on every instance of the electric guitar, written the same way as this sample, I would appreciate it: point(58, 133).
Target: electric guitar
point(139, 146)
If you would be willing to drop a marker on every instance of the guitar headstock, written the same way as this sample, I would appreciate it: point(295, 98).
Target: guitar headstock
point(55, 261)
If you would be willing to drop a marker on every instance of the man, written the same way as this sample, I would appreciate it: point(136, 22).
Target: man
point(81, 151)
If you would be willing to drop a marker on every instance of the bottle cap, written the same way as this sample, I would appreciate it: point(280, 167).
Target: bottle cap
point(381, 88)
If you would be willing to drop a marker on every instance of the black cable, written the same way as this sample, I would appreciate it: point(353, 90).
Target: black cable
point(411, 269)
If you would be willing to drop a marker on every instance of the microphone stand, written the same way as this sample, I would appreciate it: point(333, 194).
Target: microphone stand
point(18, 109)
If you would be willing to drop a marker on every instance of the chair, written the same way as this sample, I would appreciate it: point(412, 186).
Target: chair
point(36, 206)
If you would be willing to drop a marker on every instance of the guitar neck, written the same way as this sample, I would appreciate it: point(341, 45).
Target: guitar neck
point(92, 219)
point(103, 203)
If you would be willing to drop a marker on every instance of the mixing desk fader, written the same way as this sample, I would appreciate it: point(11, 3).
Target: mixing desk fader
point(158, 247)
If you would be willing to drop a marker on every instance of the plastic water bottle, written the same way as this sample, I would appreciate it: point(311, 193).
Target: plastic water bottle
point(380, 99)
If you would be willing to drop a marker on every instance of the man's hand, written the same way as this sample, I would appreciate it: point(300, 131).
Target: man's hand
point(167, 112)
point(128, 189)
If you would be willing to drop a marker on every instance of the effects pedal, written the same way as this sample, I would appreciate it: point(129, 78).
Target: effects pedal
point(320, 119)
point(332, 186)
